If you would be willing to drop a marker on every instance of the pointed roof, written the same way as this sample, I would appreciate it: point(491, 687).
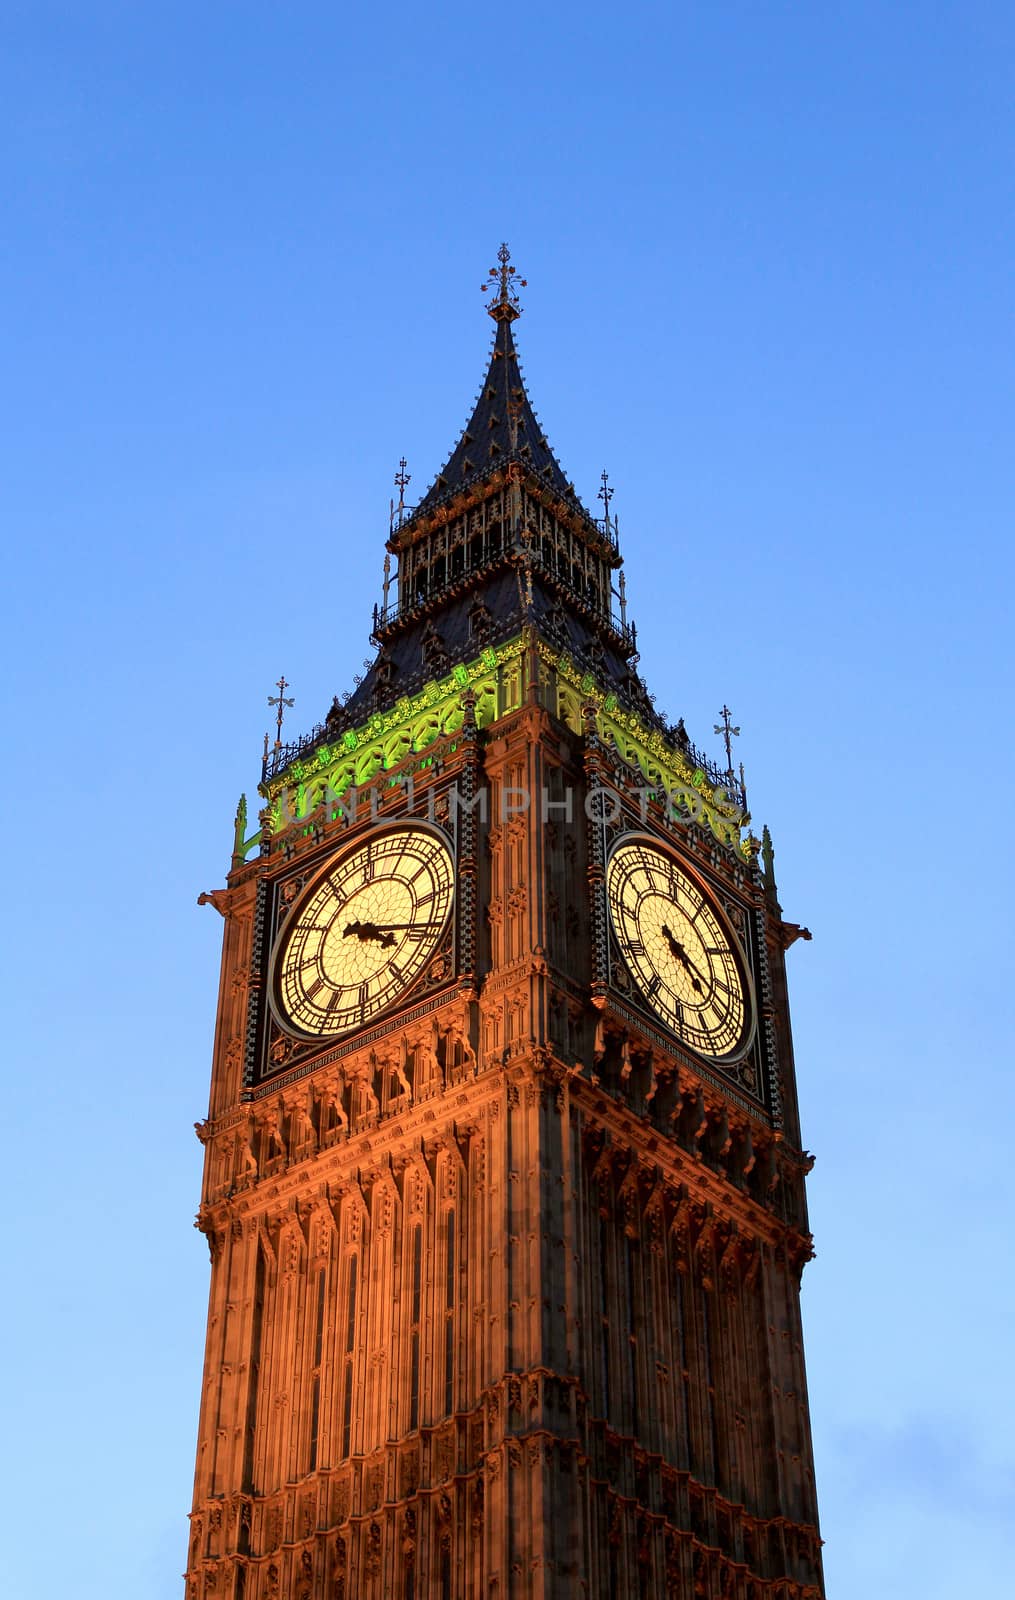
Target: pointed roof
point(503, 426)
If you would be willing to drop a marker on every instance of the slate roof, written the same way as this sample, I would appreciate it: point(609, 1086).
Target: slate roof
point(486, 441)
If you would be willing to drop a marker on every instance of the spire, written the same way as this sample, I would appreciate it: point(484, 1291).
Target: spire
point(503, 426)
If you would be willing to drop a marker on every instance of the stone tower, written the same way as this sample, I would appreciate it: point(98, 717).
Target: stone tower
point(504, 1185)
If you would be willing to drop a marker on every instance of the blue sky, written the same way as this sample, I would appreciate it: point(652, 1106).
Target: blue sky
point(769, 250)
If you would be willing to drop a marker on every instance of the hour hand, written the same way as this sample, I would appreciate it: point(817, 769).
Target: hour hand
point(366, 932)
point(680, 954)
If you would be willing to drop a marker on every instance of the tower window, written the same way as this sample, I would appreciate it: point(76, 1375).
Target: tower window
point(349, 1354)
point(315, 1392)
point(449, 1320)
point(414, 1323)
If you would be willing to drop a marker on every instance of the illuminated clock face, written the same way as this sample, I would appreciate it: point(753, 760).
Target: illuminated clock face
point(363, 933)
point(678, 949)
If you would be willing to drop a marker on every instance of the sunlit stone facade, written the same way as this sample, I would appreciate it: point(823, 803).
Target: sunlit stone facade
point(505, 1280)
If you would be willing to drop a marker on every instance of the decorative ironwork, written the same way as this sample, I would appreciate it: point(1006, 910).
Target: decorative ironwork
point(505, 278)
point(399, 512)
point(605, 494)
point(729, 733)
point(281, 702)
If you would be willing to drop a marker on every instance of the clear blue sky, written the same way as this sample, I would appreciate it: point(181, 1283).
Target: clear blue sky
point(770, 259)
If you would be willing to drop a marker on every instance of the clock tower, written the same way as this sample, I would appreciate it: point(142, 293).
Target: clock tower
point(503, 1184)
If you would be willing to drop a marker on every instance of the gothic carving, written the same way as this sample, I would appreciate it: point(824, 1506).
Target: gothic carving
point(340, 1500)
point(372, 1551)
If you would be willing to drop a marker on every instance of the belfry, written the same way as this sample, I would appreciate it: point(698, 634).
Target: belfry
point(503, 1183)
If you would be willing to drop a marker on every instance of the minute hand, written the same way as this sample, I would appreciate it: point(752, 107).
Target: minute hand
point(682, 956)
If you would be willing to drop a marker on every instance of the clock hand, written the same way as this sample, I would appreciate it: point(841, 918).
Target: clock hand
point(379, 931)
point(681, 955)
point(367, 931)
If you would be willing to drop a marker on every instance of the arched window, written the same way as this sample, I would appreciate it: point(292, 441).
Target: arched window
point(415, 1318)
point(315, 1378)
point(450, 1299)
point(348, 1334)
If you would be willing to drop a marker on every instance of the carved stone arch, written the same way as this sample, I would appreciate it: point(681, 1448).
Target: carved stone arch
point(317, 793)
point(603, 1175)
point(731, 1254)
point(452, 1171)
point(452, 717)
point(270, 1126)
point(396, 746)
point(654, 1213)
point(425, 730)
point(341, 777)
point(292, 1245)
point(267, 1248)
point(363, 1105)
point(323, 1231)
point(351, 1214)
point(368, 764)
point(706, 1247)
point(569, 708)
point(417, 1187)
point(680, 1228)
point(300, 1133)
point(631, 753)
point(486, 704)
point(383, 1203)
point(629, 1201)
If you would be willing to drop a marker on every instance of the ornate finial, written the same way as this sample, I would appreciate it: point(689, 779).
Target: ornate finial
point(239, 828)
point(729, 733)
point(396, 513)
point(768, 865)
point(506, 280)
point(606, 495)
point(281, 702)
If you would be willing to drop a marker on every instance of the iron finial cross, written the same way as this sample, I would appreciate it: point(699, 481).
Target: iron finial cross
point(505, 278)
point(606, 495)
point(396, 514)
point(280, 700)
point(729, 733)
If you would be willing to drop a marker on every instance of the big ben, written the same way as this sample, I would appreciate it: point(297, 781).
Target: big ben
point(504, 1181)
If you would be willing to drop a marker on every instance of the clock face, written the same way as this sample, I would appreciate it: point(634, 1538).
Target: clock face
point(679, 950)
point(363, 933)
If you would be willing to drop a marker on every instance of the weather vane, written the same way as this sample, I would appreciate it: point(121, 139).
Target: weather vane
point(729, 733)
point(505, 278)
point(280, 700)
